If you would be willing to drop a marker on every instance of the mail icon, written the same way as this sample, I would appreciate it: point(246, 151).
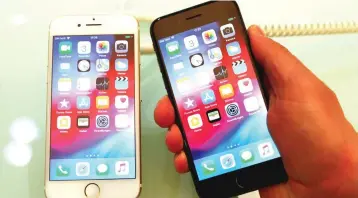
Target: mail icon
point(121, 83)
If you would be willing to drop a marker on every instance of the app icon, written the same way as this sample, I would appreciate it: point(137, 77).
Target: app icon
point(65, 48)
point(209, 36)
point(102, 83)
point(215, 54)
point(195, 121)
point(232, 109)
point(196, 60)
point(226, 91)
point(122, 168)
point(64, 104)
point(178, 66)
point(202, 78)
point(239, 67)
point(227, 30)
point(208, 97)
point(189, 103)
point(102, 65)
point(266, 150)
point(82, 169)
point(83, 102)
point(247, 156)
point(83, 121)
point(121, 102)
point(184, 84)
point(121, 46)
point(121, 64)
point(102, 170)
point(173, 48)
point(102, 102)
point(191, 42)
point(63, 122)
point(65, 67)
point(102, 121)
point(64, 84)
point(83, 84)
point(251, 104)
point(62, 171)
point(213, 115)
point(227, 161)
point(122, 121)
point(102, 47)
point(220, 73)
point(121, 83)
point(208, 167)
point(83, 65)
point(233, 48)
point(84, 47)
point(245, 85)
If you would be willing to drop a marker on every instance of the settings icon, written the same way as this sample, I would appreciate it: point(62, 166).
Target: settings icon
point(102, 121)
point(232, 109)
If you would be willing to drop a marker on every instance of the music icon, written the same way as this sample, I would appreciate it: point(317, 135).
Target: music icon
point(122, 167)
point(266, 150)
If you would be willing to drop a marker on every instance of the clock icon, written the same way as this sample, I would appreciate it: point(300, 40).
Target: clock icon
point(83, 65)
point(196, 60)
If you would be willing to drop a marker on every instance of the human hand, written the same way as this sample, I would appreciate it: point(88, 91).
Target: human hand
point(319, 147)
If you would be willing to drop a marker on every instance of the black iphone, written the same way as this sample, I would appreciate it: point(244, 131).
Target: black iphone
point(213, 83)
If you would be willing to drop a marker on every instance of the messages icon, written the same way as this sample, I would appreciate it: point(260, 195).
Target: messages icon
point(173, 48)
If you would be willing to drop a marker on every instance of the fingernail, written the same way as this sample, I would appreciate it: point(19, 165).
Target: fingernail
point(257, 30)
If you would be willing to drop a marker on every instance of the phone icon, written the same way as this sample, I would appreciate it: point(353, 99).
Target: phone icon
point(208, 167)
point(173, 48)
point(209, 36)
point(62, 170)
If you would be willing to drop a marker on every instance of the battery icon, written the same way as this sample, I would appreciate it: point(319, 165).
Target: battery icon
point(230, 19)
point(127, 36)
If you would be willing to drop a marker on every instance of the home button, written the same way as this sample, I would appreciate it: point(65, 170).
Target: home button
point(239, 184)
point(92, 191)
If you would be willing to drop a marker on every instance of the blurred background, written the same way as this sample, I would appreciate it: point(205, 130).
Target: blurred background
point(23, 54)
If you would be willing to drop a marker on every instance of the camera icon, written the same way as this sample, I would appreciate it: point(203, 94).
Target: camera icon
point(121, 46)
point(227, 30)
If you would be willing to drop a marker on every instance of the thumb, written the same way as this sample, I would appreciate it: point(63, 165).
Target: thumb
point(281, 67)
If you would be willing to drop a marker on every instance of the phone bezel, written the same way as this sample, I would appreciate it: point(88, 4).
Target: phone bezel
point(243, 180)
point(95, 25)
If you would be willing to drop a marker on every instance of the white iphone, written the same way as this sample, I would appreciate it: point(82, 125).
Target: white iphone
point(93, 108)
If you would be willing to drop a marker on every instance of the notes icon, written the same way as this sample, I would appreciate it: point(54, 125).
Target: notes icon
point(64, 84)
point(122, 167)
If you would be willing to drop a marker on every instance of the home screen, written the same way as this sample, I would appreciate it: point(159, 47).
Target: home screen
point(219, 99)
point(92, 108)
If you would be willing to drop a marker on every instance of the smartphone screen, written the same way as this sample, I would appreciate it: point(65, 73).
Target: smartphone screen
point(218, 97)
point(92, 108)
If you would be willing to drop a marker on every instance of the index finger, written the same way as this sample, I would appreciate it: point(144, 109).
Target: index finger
point(164, 114)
